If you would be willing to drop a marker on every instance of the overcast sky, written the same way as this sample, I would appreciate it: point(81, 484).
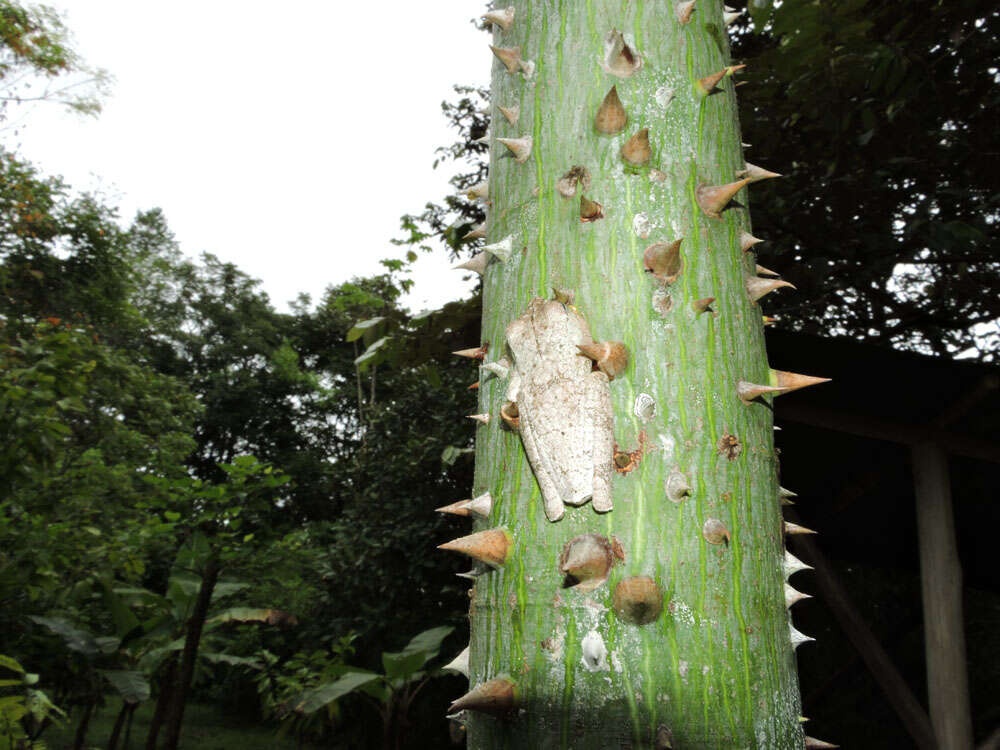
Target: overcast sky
point(288, 141)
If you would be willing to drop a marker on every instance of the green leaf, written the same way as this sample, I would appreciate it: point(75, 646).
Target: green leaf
point(401, 665)
point(318, 697)
point(11, 664)
point(172, 515)
point(359, 329)
point(236, 661)
point(760, 13)
point(249, 614)
point(228, 588)
point(428, 641)
point(124, 619)
point(133, 687)
point(370, 353)
point(75, 639)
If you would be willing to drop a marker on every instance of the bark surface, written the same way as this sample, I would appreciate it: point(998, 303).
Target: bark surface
point(713, 667)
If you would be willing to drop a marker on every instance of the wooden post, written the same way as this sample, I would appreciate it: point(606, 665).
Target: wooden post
point(941, 582)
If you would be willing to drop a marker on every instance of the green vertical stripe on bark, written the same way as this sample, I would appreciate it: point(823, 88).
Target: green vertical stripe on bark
point(715, 668)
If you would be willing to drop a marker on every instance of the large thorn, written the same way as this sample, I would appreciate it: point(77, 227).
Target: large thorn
point(750, 391)
point(664, 261)
point(478, 506)
point(754, 173)
point(730, 17)
point(496, 697)
point(684, 11)
point(796, 637)
point(792, 565)
point(792, 381)
point(792, 596)
point(590, 210)
point(611, 117)
point(511, 416)
point(611, 356)
point(501, 250)
point(713, 199)
point(707, 85)
point(715, 532)
point(702, 305)
point(758, 287)
point(512, 113)
point(476, 263)
point(677, 486)
point(481, 418)
point(502, 18)
point(585, 561)
point(509, 56)
point(490, 546)
point(479, 191)
point(478, 232)
point(794, 528)
point(459, 664)
point(761, 271)
point(747, 241)
point(619, 59)
point(638, 600)
point(636, 150)
point(813, 744)
point(477, 353)
point(519, 147)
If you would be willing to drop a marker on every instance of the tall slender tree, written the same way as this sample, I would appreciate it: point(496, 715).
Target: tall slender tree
point(622, 362)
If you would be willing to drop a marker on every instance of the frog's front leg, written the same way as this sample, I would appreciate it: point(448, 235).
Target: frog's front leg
point(598, 395)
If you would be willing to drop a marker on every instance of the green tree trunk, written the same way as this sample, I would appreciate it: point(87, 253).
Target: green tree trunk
point(686, 643)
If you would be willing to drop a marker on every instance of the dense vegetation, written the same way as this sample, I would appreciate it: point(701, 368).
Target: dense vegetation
point(198, 492)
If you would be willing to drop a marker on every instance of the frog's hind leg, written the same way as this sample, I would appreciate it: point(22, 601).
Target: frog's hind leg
point(603, 446)
point(554, 508)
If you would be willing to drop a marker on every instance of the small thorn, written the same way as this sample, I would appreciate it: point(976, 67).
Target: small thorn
point(481, 418)
point(730, 17)
point(785, 500)
point(477, 353)
point(796, 637)
point(509, 56)
point(478, 232)
point(754, 173)
point(638, 600)
point(619, 59)
point(611, 356)
point(563, 296)
point(794, 528)
point(813, 744)
point(684, 11)
point(707, 86)
point(750, 391)
point(636, 150)
point(713, 199)
point(768, 320)
point(490, 546)
point(611, 117)
point(793, 597)
point(663, 260)
point(758, 287)
point(715, 532)
point(479, 191)
point(484, 139)
point(511, 416)
point(502, 18)
point(499, 369)
point(476, 263)
point(703, 305)
point(459, 664)
point(782, 492)
point(590, 210)
point(792, 565)
point(585, 562)
point(747, 241)
point(474, 386)
point(511, 113)
point(792, 381)
point(677, 487)
point(519, 147)
point(478, 506)
point(761, 271)
point(568, 182)
point(501, 250)
point(496, 697)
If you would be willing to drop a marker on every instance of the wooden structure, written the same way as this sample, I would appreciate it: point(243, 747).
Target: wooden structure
point(897, 466)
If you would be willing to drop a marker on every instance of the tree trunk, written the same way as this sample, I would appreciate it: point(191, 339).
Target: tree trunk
point(162, 703)
point(185, 673)
point(684, 641)
point(81, 729)
point(116, 732)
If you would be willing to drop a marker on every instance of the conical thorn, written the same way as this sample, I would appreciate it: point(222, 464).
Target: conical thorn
point(590, 210)
point(636, 150)
point(476, 263)
point(793, 381)
point(611, 356)
point(754, 173)
point(611, 117)
point(502, 18)
point(519, 147)
point(496, 697)
point(758, 287)
point(794, 528)
point(459, 664)
point(702, 305)
point(750, 391)
point(509, 56)
point(477, 353)
point(490, 546)
point(664, 261)
point(684, 11)
point(501, 250)
point(481, 418)
point(512, 113)
point(713, 199)
point(619, 59)
point(747, 241)
point(792, 565)
point(792, 596)
point(796, 637)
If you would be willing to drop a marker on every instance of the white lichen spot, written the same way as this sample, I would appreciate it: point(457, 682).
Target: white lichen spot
point(667, 444)
point(640, 225)
point(645, 407)
point(682, 668)
point(595, 653)
point(705, 669)
point(664, 95)
point(682, 612)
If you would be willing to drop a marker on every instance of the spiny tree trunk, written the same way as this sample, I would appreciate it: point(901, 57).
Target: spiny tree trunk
point(661, 622)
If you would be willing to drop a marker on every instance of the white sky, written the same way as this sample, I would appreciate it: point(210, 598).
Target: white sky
point(285, 138)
